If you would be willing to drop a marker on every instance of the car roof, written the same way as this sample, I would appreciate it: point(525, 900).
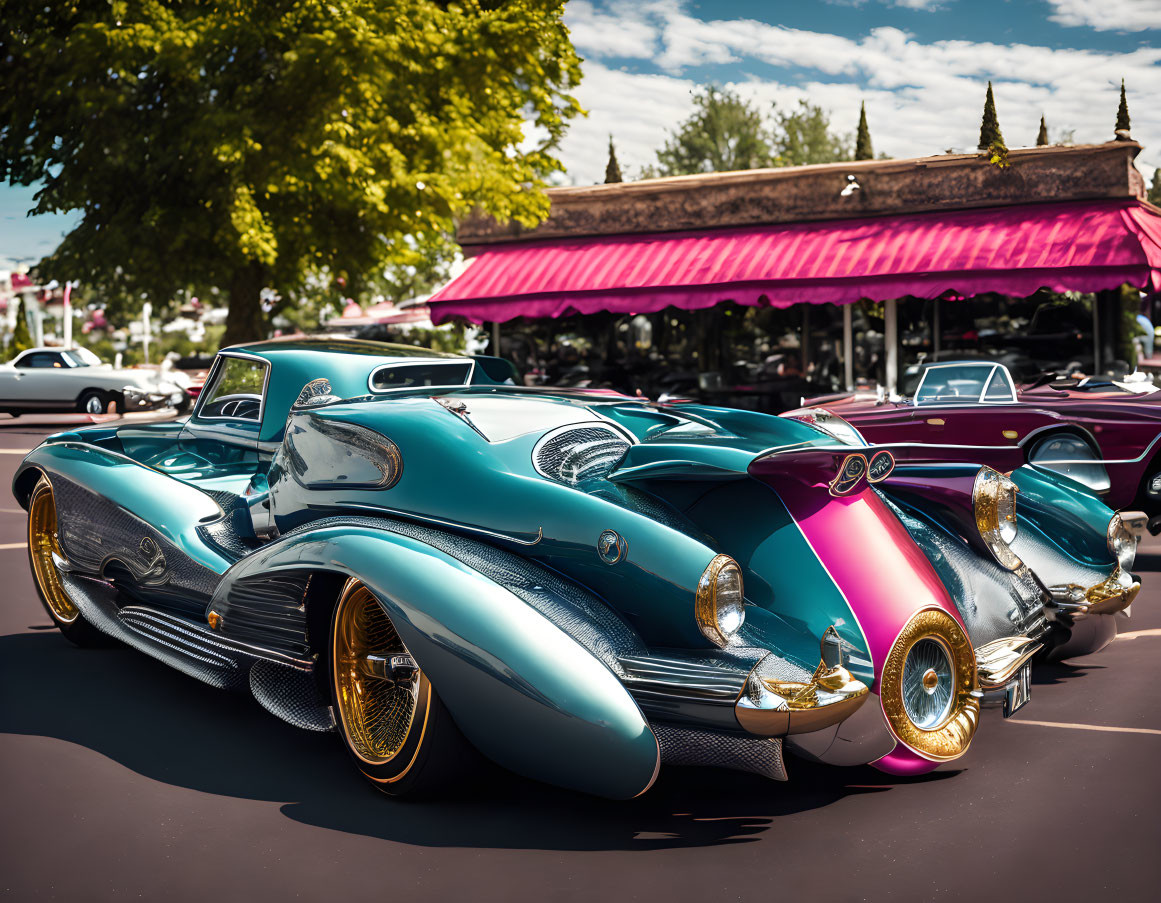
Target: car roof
point(337, 345)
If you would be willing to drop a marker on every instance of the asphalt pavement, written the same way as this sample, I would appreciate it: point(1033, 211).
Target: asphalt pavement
point(120, 778)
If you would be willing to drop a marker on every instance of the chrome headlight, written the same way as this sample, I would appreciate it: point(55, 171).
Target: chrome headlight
point(994, 501)
point(1122, 543)
point(831, 424)
point(928, 684)
point(720, 603)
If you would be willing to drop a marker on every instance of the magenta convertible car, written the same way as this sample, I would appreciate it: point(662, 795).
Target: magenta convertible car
point(1101, 433)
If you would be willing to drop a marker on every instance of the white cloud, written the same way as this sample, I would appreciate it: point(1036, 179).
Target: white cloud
point(922, 98)
point(1109, 15)
point(918, 4)
point(621, 32)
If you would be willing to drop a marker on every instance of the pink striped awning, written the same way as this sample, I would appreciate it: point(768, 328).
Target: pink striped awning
point(1074, 246)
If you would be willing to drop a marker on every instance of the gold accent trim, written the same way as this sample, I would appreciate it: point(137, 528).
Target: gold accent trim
point(378, 714)
point(950, 739)
point(705, 603)
point(847, 479)
point(43, 546)
point(214, 619)
point(831, 695)
point(1010, 434)
point(1113, 594)
point(935, 421)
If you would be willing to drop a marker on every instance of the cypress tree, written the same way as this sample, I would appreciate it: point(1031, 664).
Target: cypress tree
point(1123, 111)
point(1154, 194)
point(990, 126)
point(863, 150)
point(21, 335)
point(1042, 135)
point(612, 168)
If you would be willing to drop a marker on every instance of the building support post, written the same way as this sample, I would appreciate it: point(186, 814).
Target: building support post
point(848, 350)
point(891, 343)
point(935, 330)
point(1096, 334)
point(495, 339)
point(805, 343)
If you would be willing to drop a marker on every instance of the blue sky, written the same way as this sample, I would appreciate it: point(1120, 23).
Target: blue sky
point(921, 66)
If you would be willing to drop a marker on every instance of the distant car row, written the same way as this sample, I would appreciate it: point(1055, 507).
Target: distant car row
point(1100, 433)
point(50, 380)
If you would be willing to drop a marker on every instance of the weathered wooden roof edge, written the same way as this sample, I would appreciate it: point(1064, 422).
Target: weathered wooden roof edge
point(827, 192)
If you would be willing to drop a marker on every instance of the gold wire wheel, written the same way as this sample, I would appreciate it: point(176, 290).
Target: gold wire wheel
point(378, 686)
point(43, 543)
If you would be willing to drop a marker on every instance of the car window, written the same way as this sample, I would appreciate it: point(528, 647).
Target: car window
point(236, 392)
point(407, 376)
point(951, 385)
point(1000, 388)
point(41, 360)
point(75, 359)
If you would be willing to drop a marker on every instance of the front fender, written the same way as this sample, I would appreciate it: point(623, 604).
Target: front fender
point(524, 692)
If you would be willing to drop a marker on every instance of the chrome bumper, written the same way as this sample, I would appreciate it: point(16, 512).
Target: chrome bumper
point(138, 399)
point(755, 698)
point(998, 662)
point(1115, 593)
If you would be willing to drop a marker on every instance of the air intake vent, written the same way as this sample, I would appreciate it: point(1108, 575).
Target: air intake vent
point(578, 453)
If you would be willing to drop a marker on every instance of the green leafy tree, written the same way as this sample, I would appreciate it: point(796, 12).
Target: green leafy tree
point(21, 336)
point(244, 144)
point(803, 136)
point(1042, 135)
point(863, 149)
point(1154, 194)
point(724, 133)
point(990, 134)
point(612, 168)
point(1123, 111)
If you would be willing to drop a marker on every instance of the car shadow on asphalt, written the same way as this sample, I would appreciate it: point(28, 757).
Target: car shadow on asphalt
point(170, 728)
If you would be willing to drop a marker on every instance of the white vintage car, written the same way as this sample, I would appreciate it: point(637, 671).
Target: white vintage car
point(75, 379)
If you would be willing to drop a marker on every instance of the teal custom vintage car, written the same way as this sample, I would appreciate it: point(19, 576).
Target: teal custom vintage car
point(405, 547)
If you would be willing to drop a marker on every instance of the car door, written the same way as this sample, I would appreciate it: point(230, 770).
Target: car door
point(221, 436)
point(42, 378)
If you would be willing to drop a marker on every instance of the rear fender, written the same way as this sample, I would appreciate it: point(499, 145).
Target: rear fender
point(524, 692)
point(160, 503)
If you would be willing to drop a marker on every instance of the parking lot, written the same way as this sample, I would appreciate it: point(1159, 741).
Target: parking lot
point(122, 778)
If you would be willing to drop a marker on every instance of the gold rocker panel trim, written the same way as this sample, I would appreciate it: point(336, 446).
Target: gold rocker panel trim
point(950, 738)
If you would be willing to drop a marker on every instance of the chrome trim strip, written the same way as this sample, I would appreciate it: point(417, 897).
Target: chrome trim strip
point(419, 518)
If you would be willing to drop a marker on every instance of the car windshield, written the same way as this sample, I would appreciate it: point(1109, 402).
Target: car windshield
point(237, 390)
point(964, 383)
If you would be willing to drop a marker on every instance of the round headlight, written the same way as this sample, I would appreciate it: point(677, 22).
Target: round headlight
point(994, 501)
point(1122, 543)
point(927, 686)
point(720, 603)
